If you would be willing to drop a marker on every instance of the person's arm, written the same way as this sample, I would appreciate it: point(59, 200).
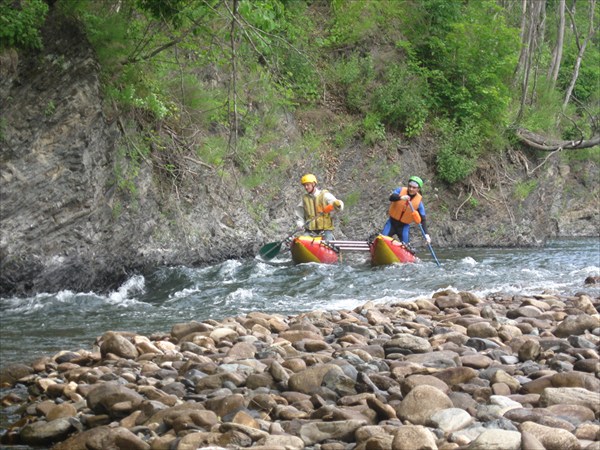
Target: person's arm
point(424, 222)
point(299, 212)
point(395, 195)
point(330, 199)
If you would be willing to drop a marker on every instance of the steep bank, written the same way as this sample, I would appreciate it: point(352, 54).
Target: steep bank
point(67, 224)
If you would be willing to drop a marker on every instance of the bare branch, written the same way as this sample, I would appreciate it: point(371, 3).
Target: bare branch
point(461, 205)
point(540, 142)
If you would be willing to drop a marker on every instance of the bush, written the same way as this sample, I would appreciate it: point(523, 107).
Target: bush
point(355, 75)
point(461, 145)
point(20, 23)
point(524, 189)
point(402, 100)
point(374, 130)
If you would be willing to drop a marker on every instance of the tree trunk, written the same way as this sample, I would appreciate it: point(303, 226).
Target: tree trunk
point(590, 34)
point(522, 34)
point(533, 26)
point(558, 49)
point(540, 142)
point(536, 54)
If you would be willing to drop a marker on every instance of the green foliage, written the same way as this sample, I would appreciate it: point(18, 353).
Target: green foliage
point(473, 202)
point(470, 53)
point(586, 155)
point(353, 21)
point(131, 153)
point(587, 87)
point(50, 109)
point(302, 76)
point(355, 75)
point(402, 100)
point(167, 10)
point(346, 134)
point(280, 34)
point(396, 98)
point(460, 147)
point(135, 92)
point(548, 108)
point(205, 106)
point(393, 65)
point(524, 189)
point(213, 150)
point(356, 23)
point(20, 23)
point(352, 199)
point(3, 125)
point(373, 129)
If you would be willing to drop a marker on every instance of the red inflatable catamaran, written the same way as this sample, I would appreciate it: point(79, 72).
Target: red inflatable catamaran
point(383, 250)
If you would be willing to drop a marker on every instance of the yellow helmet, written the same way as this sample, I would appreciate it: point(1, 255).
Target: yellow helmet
point(308, 178)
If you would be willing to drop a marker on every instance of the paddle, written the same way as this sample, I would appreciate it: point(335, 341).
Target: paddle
point(272, 249)
point(423, 233)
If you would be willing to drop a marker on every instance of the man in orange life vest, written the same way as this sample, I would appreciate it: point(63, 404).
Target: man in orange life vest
point(401, 214)
point(314, 210)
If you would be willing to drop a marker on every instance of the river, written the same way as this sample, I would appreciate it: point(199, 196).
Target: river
point(47, 323)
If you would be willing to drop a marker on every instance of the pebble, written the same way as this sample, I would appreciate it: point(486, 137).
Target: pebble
point(455, 371)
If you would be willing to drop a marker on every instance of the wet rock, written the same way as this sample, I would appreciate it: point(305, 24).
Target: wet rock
point(496, 439)
point(113, 399)
point(571, 396)
point(11, 374)
point(451, 419)
point(44, 433)
point(551, 438)
point(310, 379)
point(118, 345)
point(414, 437)
point(421, 403)
point(314, 432)
point(576, 325)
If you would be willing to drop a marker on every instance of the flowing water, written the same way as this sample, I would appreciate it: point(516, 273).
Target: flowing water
point(47, 323)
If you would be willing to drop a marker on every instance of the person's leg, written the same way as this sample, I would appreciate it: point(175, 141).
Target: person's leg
point(387, 228)
point(405, 235)
point(328, 235)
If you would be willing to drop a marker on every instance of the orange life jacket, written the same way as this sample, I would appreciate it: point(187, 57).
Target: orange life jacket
point(400, 210)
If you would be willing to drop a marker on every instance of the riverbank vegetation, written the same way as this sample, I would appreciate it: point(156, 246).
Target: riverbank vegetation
point(211, 81)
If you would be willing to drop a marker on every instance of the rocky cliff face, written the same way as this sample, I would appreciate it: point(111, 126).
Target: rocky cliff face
point(65, 225)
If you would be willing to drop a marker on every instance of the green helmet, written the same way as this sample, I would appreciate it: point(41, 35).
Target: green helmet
point(416, 180)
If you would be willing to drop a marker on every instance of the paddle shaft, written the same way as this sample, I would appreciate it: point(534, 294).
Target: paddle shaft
point(272, 249)
point(424, 237)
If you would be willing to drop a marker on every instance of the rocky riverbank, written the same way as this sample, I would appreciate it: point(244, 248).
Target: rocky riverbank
point(454, 371)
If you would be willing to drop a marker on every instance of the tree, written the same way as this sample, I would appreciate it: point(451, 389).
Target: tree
point(534, 46)
point(590, 34)
point(558, 47)
point(532, 35)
